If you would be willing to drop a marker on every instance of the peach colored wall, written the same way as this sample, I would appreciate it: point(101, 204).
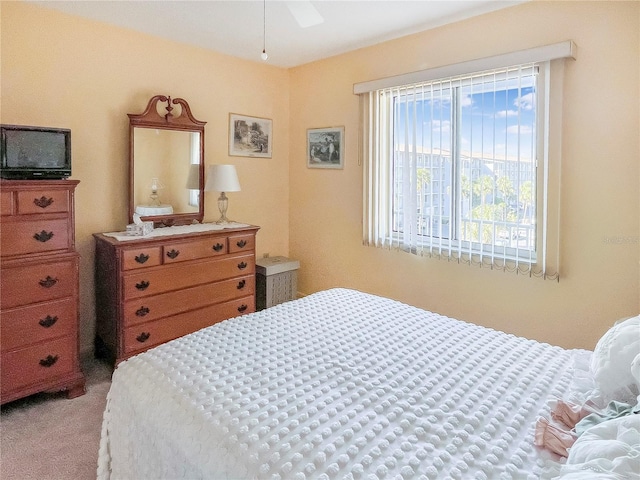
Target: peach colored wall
point(58, 70)
point(600, 175)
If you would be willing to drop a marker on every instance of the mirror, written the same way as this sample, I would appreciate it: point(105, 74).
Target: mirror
point(166, 163)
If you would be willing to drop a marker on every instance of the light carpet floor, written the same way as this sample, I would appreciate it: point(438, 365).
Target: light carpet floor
point(49, 437)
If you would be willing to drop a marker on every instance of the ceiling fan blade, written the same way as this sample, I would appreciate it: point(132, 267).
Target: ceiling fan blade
point(305, 13)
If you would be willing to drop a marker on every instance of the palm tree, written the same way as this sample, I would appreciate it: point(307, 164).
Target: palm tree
point(482, 187)
point(423, 177)
point(526, 196)
point(505, 187)
point(465, 186)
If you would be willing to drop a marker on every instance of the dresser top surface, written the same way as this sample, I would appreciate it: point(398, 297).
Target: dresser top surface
point(121, 239)
point(36, 184)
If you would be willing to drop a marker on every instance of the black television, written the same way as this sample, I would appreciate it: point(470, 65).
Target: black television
point(34, 152)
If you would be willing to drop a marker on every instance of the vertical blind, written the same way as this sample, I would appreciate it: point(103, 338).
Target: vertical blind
point(467, 167)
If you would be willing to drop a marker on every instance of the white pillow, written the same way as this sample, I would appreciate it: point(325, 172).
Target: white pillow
point(635, 369)
point(611, 448)
point(612, 358)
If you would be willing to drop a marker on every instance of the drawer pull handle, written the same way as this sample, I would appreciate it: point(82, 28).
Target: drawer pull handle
point(48, 321)
point(43, 202)
point(241, 243)
point(143, 285)
point(242, 265)
point(172, 254)
point(142, 311)
point(43, 236)
point(142, 258)
point(241, 284)
point(143, 337)
point(49, 361)
point(242, 308)
point(48, 282)
point(218, 246)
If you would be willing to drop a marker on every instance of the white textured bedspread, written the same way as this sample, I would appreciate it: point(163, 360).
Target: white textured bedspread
point(339, 384)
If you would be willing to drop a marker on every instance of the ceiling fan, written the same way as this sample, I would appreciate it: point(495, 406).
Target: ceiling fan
point(305, 13)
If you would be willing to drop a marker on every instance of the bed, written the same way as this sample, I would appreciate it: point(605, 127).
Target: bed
point(338, 384)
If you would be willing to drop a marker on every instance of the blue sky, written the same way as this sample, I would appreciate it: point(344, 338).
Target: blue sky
point(489, 125)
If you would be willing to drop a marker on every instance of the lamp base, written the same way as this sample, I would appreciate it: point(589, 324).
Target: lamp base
point(154, 199)
point(223, 203)
point(223, 221)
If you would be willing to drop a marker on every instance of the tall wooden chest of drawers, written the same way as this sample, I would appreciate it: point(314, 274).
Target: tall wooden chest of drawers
point(38, 289)
point(152, 290)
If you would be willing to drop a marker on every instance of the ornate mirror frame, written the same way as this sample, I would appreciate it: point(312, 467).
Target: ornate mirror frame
point(152, 119)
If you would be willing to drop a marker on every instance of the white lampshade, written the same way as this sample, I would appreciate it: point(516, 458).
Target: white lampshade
point(222, 178)
point(156, 184)
point(193, 179)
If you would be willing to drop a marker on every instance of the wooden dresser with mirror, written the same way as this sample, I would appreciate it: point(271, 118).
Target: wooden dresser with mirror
point(185, 275)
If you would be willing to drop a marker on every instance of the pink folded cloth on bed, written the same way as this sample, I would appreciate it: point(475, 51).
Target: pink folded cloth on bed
point(569, 413)
point(553, 438)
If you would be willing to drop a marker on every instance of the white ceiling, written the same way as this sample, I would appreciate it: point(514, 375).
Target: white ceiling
point(236, 27)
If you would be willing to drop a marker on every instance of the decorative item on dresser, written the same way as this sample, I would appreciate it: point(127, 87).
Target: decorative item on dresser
point(222, 178)
point(39, 282)
point(152, 289)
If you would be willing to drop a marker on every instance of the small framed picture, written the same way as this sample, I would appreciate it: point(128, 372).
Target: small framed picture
point(325, 147)
point(250, 136)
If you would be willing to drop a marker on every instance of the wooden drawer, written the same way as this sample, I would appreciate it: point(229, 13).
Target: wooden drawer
point(242, 243)
point(141, 337)
point(141, 305)
point(43, 201)
point(171, 303)
point(35, 236)
point(32, 283)
point(175, 277)
point(141, 258)
point(193, 249)
point(36, 323)
point(6, 203)
point(38, 362)
point(38, 289)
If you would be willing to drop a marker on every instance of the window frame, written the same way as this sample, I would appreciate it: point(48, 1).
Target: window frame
point(375, 144)
point(455, 241)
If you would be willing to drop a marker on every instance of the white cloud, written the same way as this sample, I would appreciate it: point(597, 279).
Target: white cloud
point(438, 102)
point(525, 102)
point(506, 113)
point(440, 125)
point(523, 129)
point(466, 101)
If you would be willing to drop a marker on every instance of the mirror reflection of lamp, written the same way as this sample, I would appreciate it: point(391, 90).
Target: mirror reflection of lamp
point(155, 186)
point(193, 179)
point(193, 184)
point(222, 178)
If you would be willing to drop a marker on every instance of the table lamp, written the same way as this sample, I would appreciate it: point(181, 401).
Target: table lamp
point(222, 178)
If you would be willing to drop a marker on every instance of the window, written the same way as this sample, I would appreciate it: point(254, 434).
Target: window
point(193, 183)
point(458, 167)
point(466, 150)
